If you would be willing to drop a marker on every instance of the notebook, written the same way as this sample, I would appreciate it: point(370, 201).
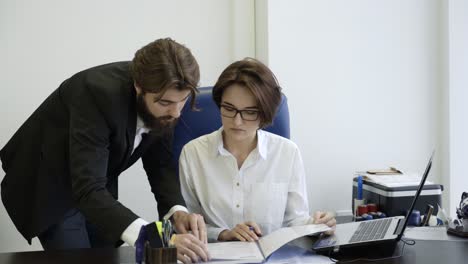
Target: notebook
point(259, 251)
point(379, 236)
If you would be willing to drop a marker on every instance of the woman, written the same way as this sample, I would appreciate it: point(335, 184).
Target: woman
point(246, 182)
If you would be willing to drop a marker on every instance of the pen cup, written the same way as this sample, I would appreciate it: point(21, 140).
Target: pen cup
point(160, 255)
point(357, 203)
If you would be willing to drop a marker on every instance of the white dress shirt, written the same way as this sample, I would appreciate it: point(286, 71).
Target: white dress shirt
point(130, 234)
point(140, 130)
point(269, 188)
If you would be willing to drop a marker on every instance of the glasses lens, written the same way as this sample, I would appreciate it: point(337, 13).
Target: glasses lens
point(228, 111)
point(249, 115)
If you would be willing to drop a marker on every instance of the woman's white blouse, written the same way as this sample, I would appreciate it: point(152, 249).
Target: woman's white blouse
point(269, 188)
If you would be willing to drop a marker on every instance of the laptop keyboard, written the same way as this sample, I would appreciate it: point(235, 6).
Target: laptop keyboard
point(371, 230)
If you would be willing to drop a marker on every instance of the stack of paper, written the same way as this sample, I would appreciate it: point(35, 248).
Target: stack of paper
point(394, 180)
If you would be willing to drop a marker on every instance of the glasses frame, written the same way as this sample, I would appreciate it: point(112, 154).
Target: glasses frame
point(237, 111)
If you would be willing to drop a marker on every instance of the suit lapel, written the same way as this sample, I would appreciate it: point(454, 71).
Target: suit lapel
point(131, 128)
point(146, 141)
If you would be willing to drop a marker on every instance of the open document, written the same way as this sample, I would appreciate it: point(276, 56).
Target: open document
point(257, 252)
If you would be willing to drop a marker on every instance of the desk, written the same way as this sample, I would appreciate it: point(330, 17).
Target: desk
point(78, 256)
point(430, 251)
point(423, 251)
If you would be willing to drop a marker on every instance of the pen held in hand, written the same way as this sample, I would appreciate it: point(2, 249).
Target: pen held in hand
point(251, 228)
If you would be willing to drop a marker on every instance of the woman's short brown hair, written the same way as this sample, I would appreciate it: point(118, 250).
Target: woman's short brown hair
point(163, 64)
point(259, 79)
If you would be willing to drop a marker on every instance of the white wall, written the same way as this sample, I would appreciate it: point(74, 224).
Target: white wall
point(458, 99)
point(363, 81)
point(44, 42)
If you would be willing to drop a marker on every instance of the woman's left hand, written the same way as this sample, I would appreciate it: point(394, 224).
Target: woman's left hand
point(327, 218)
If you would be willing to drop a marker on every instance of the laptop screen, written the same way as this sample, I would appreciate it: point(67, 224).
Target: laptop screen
point(418, 192)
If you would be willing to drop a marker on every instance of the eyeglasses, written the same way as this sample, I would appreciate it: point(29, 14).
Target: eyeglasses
point(231, 112)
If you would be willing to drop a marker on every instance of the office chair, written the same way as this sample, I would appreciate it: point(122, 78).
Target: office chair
point(193, 124)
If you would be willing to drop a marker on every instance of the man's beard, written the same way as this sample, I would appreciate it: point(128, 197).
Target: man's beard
point(160, 126)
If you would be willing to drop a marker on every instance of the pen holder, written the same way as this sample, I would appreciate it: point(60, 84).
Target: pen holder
point(160, 255)
point(357, 203)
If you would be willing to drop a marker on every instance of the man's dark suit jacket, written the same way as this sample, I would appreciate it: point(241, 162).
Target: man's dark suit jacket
point(71, 150)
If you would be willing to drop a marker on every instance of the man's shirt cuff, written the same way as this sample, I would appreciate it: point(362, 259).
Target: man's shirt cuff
point(130, 234)
point(174, 209)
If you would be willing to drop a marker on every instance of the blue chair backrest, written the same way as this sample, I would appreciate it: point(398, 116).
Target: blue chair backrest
point(193, 124)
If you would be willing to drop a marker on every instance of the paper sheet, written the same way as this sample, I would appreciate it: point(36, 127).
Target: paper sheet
point(235, 250)
point(396, 180)
point(282, 236)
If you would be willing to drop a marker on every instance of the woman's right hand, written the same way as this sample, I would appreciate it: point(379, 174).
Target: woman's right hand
point(248, 231)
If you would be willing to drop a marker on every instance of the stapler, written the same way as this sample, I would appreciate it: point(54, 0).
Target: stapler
point(459, 227)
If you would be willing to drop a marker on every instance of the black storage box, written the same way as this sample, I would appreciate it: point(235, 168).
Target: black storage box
point(394, 201)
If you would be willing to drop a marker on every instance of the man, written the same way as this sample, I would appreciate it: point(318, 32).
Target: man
point(62, 165)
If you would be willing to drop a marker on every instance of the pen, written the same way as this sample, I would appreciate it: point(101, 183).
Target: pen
point(251, 228)
point(359, 187)
point(164, 227)
point(167, 232)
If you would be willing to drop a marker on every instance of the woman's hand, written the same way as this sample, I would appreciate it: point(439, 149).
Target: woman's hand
point(248, 231)
point(327, 218)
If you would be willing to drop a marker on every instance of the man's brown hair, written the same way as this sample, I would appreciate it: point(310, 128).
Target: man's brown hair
point(164, 64)
point(259, 79)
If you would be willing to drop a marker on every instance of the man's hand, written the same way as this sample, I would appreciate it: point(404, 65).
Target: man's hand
point(184, 222)
point(248, 231)
point(327, 218)
point(190, 249)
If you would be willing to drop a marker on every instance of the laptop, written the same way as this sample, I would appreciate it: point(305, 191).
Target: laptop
point(379, 236)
